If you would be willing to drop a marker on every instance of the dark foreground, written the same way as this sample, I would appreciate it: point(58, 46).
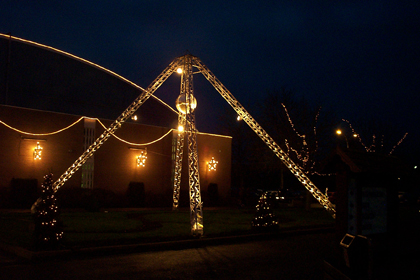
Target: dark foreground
point(289, 257)
point(295, 255)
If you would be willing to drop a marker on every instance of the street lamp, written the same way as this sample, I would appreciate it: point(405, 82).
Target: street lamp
point(340, 132)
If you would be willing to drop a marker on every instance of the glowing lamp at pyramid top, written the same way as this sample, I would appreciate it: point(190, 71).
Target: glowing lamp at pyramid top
point(184, 106)
point(338, 131)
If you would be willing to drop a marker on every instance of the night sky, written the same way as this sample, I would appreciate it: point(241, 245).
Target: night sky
point(360, 58)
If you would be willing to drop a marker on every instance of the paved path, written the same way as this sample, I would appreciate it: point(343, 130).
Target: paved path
point(291, 257)
point(7, 258)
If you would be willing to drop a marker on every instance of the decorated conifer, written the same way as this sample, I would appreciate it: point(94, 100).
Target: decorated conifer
point(48, 230)
point(264, 217)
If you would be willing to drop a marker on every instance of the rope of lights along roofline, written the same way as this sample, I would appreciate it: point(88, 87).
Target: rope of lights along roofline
point(74, 123)
point(97, 66)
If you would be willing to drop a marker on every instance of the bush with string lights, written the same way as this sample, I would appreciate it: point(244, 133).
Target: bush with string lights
point(48, 229)
point(264, 217)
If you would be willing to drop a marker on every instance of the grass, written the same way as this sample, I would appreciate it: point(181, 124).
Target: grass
point(15, 228)
point(84, 229)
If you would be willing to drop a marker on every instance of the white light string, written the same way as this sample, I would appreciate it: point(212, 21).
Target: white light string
point(81, 118)
point(371, 148)
point(42, 46)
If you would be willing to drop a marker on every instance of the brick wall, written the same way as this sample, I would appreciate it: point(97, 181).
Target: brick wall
point(114, 163)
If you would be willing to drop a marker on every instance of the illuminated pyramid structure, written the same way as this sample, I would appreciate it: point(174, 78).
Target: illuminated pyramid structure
point(186, 120)
point(186, 63)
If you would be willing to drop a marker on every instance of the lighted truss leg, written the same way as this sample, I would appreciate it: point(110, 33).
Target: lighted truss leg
point(117, 123)
point(178, 160)
point(196, 206)
point(294, 168)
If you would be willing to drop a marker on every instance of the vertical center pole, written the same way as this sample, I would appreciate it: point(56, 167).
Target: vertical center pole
point(178, 161)
point(196, 207)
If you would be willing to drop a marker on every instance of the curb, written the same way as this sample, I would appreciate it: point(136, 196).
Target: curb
point(28, 255)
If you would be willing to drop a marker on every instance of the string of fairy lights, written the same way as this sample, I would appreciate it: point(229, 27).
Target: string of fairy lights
point(398, 143)
point(48, 230)
point(263, 135)
point(294, 168)
point(38, 149)
point(140, 159)
point(372, 147)
point(41, 134)
point(74, 123)
point(304, 155)
point(72, 56)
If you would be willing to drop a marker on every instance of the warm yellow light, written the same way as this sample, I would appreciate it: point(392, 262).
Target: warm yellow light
point(238, 118)
point(134, 117)
point(212, 164)
point(197, 227)
point(180, 128)
point(355, 135)
point(179, 70)
point(185, 106)
point(37, 151)
point(338, 131)
point(141, 159)
point(8, 37)
point(41, 134)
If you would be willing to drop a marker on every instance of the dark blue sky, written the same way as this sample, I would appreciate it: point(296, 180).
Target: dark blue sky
point(359, 57)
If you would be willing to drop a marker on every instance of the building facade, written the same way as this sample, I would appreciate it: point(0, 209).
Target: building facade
point(48, 81)
point(35, 142)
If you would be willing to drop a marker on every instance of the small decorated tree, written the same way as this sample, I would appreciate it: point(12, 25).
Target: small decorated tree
point(264, 217)
point(48, 229)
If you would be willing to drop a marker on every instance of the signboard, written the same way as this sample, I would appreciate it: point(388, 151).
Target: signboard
point(374, 211)
point(367, 210)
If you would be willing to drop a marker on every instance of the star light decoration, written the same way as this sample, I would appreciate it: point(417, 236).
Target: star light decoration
point(212, 164)
point(37, 151)
point(141, 159)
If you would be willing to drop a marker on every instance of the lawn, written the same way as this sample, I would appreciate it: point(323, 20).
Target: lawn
point(112, 227)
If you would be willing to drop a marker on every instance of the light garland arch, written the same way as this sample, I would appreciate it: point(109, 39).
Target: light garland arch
point(82, 118)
